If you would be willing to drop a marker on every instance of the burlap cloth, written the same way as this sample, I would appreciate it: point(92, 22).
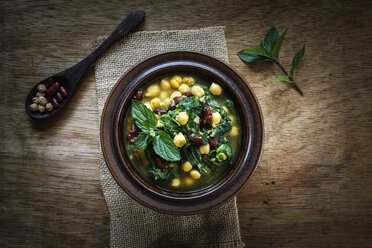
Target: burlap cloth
point(131, 224)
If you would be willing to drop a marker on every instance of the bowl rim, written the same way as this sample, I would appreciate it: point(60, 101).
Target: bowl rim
point(115, 161)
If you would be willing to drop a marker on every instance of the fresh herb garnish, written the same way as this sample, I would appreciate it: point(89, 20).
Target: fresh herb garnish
point(162, 143)
point(165, 148)
point(269, 51)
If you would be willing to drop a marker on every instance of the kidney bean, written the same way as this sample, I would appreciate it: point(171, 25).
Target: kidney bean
point(139, 95)
point(208, 116)
point(188, 93)
point(213, 142)
point(54, 102)
point(161, 164)
point(58, 96)
point(49, 82)
point(196, 139)
point(137, 158)
point(133, 129)
point(175, 99)
point(205, 104)
point(53, 89)
point(159, 110)
point(130, 136)
point(63, 91)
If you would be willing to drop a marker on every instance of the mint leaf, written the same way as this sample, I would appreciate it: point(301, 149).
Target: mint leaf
point(278, 43)
point(281, 78)
point(142, 140)
point(252, 58)
point(144, 118)
point(165, 148)
point(270, 38)
point(296, 59)
point(261, 51)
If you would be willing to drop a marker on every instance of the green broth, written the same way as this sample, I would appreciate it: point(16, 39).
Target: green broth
point(187, 184)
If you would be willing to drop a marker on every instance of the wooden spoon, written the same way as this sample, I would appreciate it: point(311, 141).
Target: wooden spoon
point(70, 77)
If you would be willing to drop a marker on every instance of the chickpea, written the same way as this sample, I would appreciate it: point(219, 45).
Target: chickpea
point(172, 165)
point(183, 118)
point(42, 100)
point(186, 166)
point(34, 107)
point(179, 140)
point(221, 156)
point(40, 94)
point(204, 149)
point(234, 131)
point(49, 107)
point(195, 174)
point(188, 180)
point(184, 88)
point(197, 91)
point(155, 103)
point(148, 105)
point(163, 95)
point(191, 81)
point(175, 182)
point(175, 81)
point(41, 108)
point(216, 118)
point(215, 89)
point(174, 94)
point(153, 90)
point(41, 88)
point(165, 85)
point(35, 100)
point(165, 103)
point(186, 80)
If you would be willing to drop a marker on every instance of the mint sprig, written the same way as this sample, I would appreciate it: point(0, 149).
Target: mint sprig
point(268, 50)
point(162, 143)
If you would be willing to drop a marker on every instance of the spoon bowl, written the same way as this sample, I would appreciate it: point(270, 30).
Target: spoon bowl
point(70, 77)
point(63, 81)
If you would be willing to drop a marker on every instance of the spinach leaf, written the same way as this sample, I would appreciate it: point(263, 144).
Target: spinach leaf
point(225, 148)
point(192, 154)
point(230, 106)
point(222, 130)
point(142, 140)
point(157, 173)
point(170, 123)
point(144, 118)
point(189, 103)
point(165, 148)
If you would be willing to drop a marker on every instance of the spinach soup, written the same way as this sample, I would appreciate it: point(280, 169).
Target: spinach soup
point(182, 133)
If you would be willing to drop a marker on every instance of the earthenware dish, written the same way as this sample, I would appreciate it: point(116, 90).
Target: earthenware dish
point(112, 137)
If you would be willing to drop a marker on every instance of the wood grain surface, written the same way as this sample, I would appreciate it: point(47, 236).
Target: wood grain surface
point(312, 187)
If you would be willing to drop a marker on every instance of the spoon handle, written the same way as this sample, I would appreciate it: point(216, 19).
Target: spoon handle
point(75, 72)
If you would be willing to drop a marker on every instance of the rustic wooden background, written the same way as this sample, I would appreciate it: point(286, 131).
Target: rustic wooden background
point(312, 187)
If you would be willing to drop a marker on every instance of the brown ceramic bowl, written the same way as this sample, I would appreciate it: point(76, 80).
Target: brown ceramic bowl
point(112, 138)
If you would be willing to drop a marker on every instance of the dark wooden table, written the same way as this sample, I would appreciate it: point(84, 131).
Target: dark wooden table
point(312, 187)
